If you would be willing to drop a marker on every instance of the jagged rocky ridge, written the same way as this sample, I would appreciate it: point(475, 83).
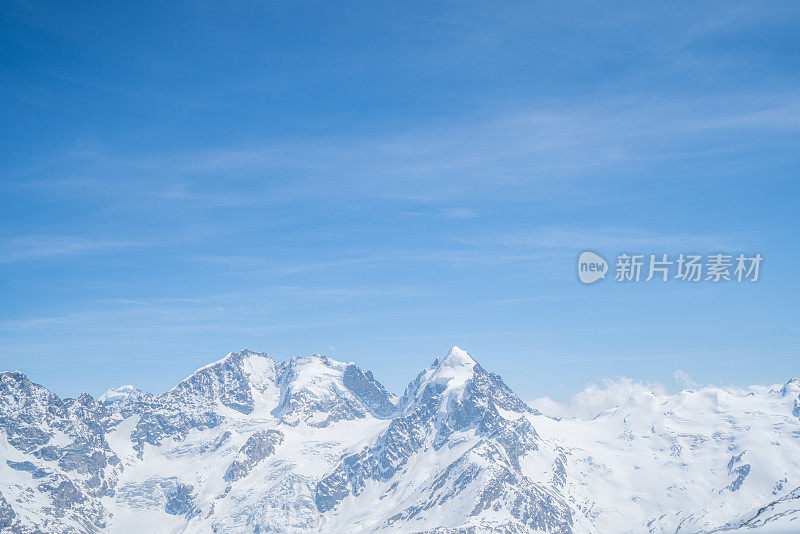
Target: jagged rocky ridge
point(249, 444)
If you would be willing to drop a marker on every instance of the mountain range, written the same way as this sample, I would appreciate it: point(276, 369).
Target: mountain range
point(251, 444)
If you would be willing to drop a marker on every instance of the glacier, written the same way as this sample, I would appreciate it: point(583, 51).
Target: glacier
point(251, 444)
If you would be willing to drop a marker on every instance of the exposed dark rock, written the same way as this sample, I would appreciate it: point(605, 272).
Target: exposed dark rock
point(369, 391)
point(259, 446)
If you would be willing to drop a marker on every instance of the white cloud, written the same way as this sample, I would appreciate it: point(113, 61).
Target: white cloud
point(685, 381)
point(597, 398)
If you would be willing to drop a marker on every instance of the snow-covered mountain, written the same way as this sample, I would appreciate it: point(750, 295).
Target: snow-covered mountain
point(249, 444)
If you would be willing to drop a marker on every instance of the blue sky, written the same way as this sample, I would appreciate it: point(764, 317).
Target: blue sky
point(380, 181)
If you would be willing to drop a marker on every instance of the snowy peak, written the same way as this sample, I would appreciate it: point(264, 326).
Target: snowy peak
point(229, 381)
point(120, 395)
point(457, 354)
point(312, 390)
point(791, 387)
point(231, 360)
point(457, 358)
point(445, 375)
point(457, 366)
point(455, 369)
point(28, 411)
point(317, 390)
point(456, 380)
point(17, 393)
point(308, 380)
point(455, 407)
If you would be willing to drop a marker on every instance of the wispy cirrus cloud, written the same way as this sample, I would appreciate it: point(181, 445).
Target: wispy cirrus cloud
point(533, 150)
point(611, 237)
point(42, 247)
point(550, 248)
point(459, 213)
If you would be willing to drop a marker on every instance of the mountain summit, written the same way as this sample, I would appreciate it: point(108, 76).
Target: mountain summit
point(251, 444)
point(458, 357)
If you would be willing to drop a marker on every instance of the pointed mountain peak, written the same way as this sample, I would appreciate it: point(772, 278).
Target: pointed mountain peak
point(457, 357)
point(456, 365)
point(445, 375)
point(455, 376)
